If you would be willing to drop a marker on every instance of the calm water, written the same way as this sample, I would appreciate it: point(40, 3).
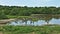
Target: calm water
point(37, 22)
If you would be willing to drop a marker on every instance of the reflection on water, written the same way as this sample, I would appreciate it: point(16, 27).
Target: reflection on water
point(34, 23)
point(37, 21)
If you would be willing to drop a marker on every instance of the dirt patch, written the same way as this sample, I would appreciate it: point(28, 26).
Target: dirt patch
point(6, 21)
point(1, 32)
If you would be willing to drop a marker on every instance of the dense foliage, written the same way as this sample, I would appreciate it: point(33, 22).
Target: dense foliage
point(27, 11)
point(50, 29)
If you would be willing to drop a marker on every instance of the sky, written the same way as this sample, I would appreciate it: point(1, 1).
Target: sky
point(30, 3)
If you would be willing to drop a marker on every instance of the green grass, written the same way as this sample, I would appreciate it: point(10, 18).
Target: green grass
point(30, 29)
point(9, 16)
point(23, 17)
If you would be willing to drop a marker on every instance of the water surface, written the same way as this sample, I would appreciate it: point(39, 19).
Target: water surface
point(37, 21)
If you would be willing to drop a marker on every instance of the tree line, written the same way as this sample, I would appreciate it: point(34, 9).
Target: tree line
point(27, 11)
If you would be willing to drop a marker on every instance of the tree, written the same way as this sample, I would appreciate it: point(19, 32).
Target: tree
point(2, 15)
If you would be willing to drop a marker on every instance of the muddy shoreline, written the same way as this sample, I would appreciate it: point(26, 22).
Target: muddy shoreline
point(6, 20)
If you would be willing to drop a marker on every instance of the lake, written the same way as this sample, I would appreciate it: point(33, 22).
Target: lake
point(37, 20)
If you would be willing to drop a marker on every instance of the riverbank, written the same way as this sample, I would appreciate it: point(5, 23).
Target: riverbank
point(30, 29)
point(33, 17)
point(4, 21)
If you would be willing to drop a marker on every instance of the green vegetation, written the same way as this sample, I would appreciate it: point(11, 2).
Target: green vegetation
point(50, 29)
point(29, 13)
point(14, 11)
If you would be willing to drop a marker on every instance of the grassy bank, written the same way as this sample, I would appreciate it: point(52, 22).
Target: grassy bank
point(30, 29)
point(9, 16)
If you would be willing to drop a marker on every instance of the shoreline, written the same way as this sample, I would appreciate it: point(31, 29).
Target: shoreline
point(4, 21)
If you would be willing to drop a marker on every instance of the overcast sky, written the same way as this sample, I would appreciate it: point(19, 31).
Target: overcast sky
point(30, 2)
